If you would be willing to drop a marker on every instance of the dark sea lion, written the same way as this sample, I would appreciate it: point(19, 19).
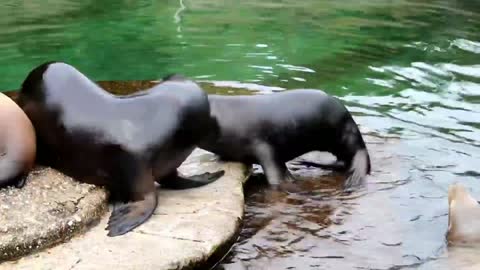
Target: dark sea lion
point(271, 130)
point(125, 143)
point(17, 144)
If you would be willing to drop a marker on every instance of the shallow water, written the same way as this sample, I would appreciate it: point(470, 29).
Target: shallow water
point(408, 70)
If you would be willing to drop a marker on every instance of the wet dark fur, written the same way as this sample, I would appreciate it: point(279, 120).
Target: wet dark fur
point(288, 124)
point(78, 134)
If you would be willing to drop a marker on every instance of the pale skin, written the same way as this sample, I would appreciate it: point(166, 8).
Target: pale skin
point(17, 143)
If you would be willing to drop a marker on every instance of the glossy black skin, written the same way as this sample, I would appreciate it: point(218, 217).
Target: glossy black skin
point(125, 143)
point(273, 129)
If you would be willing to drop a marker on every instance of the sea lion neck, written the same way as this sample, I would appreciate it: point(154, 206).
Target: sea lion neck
point(67, 83)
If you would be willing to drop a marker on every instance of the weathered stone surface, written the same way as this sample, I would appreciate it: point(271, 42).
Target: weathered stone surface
point(185, 230)
point(49, 209)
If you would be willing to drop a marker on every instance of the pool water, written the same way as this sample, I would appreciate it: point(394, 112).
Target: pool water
point(408, 70)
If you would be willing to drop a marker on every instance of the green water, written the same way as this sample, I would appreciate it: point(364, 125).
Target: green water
point(407, 69)
point(333, 43)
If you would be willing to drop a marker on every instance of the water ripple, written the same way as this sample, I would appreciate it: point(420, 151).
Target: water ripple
point(471, 71)
point(467, 45)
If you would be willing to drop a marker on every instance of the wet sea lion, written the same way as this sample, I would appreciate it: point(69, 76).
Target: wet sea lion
point(125, 143)
point(272, 129)
point(17, 144)
point(463, 217)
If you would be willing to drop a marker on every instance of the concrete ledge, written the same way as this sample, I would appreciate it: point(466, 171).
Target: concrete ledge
point(188, 227)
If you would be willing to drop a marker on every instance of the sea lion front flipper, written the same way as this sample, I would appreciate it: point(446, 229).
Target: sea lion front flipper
point(132, 190)
point(177, 182)
point(126, 216)
point(275, 170)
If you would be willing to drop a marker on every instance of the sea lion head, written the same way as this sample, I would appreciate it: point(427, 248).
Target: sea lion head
point(463, 217)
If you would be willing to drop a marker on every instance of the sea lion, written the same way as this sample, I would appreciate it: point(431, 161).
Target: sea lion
point(463, 217)
point(272, 129)
point(17, 144)
point(125, 143)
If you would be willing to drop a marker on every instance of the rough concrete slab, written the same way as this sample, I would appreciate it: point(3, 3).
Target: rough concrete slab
point(49, 209)
point(187, 228)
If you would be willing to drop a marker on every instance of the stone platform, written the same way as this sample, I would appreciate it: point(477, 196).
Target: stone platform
point(190, 228)
point(49, 209)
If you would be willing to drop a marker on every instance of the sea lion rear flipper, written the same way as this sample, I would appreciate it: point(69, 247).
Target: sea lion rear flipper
point(359, 168)
point(335, 166)
point(182, 182)
point(207, 176)
point(20, 180)
point(17, 181)
point(127, 216)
